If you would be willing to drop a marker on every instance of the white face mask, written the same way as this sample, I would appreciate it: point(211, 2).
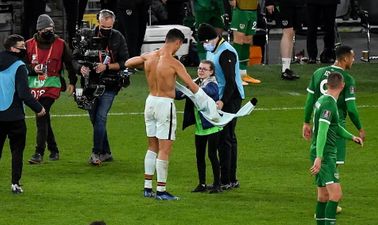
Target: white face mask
point(208, 46)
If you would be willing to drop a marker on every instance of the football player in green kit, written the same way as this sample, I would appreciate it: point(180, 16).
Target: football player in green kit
point(243, 25)
point(346, 102)
point(323, 150)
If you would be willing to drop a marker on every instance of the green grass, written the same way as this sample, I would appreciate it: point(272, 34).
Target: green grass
point(276, 187)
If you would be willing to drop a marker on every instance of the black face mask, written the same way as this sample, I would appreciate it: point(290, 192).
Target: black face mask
point(47, 35)
point(21, 54)
point(105, 32)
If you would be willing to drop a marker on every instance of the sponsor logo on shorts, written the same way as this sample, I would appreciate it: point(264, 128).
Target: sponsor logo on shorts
point(336, 175)
point(285, 22)
point(242, 26)
point(129, 12)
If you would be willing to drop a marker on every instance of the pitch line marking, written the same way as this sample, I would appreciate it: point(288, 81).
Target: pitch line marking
point(181, 112)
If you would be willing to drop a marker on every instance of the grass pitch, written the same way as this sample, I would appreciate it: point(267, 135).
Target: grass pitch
point(273, 167)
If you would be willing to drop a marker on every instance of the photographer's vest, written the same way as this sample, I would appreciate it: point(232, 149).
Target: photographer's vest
point(8, 85)
point(247, 4)
point(49, 86)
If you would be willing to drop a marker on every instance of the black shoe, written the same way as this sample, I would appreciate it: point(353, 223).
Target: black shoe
point(235, 184)
point(216, 189)
point(200, 188)
point(107, 157)
point(54, 156)
point(289, 75)
point(226, 186)
point(36, 159)
point(165, 196)
point(149, 193)
point(16, 189)
point(209, 186)
point(311, 61)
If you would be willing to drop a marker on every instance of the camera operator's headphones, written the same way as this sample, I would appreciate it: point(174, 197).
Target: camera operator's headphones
point(105, 13)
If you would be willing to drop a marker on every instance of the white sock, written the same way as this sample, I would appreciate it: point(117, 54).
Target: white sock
point(285, 64)
point(243, 72)
point(149, 167)
point(162, 174)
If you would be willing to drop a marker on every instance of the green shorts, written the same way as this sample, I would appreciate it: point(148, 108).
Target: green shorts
point(328, 173)
point(244, 21)
point(213, 18)
point(341, 147)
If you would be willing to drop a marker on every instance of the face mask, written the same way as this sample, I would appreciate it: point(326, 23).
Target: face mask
point(208, 47)
point(22, 53)
point(47, 35)
point(105, 32)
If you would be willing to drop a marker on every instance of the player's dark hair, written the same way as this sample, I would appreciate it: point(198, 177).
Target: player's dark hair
point(343, 51)
point(334, 80)
point(12, 40)
point(174, 35)
point(211, 64)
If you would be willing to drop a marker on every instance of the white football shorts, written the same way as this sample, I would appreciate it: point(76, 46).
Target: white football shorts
point(160, 117)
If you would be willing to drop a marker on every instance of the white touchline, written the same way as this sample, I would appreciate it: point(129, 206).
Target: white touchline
point(181, 112)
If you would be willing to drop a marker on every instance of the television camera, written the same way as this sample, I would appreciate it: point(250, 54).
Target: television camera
point(88, 49)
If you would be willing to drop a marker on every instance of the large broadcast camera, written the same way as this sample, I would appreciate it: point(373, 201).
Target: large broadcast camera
point(88, 49)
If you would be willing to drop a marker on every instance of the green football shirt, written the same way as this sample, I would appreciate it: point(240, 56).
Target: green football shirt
point(318, 87)
point(326, 112)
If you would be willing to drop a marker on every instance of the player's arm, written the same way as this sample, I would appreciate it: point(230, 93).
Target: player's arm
point(350, 101)
point(185, 77)
point(308, 109)
point(320, 143)
point(306, 130)
point(135, 62)
point(342, 132)
point(354, 117)
point(322, 137)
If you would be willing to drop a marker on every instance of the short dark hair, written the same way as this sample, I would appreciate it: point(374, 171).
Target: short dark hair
point(12, 40)
point(334, 80)
point(173, 35)
point(343, 51)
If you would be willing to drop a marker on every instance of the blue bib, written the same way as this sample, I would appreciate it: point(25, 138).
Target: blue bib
point(7, 85)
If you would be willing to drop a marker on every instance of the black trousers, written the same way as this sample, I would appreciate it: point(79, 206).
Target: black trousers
point(44, 129)
point(228, 146)
point(16, 132)
point(32, 10)
point(74, 13)
point(132, 20)
point(201, 141)
point(316, 14)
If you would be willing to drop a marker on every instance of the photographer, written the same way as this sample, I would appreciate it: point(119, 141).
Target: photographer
point(101, 70)
point(46, 54)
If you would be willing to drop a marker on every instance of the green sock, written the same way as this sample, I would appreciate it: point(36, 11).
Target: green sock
point(244, 57)
point(330, 213)
point(320, 213)
point(239, 49)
